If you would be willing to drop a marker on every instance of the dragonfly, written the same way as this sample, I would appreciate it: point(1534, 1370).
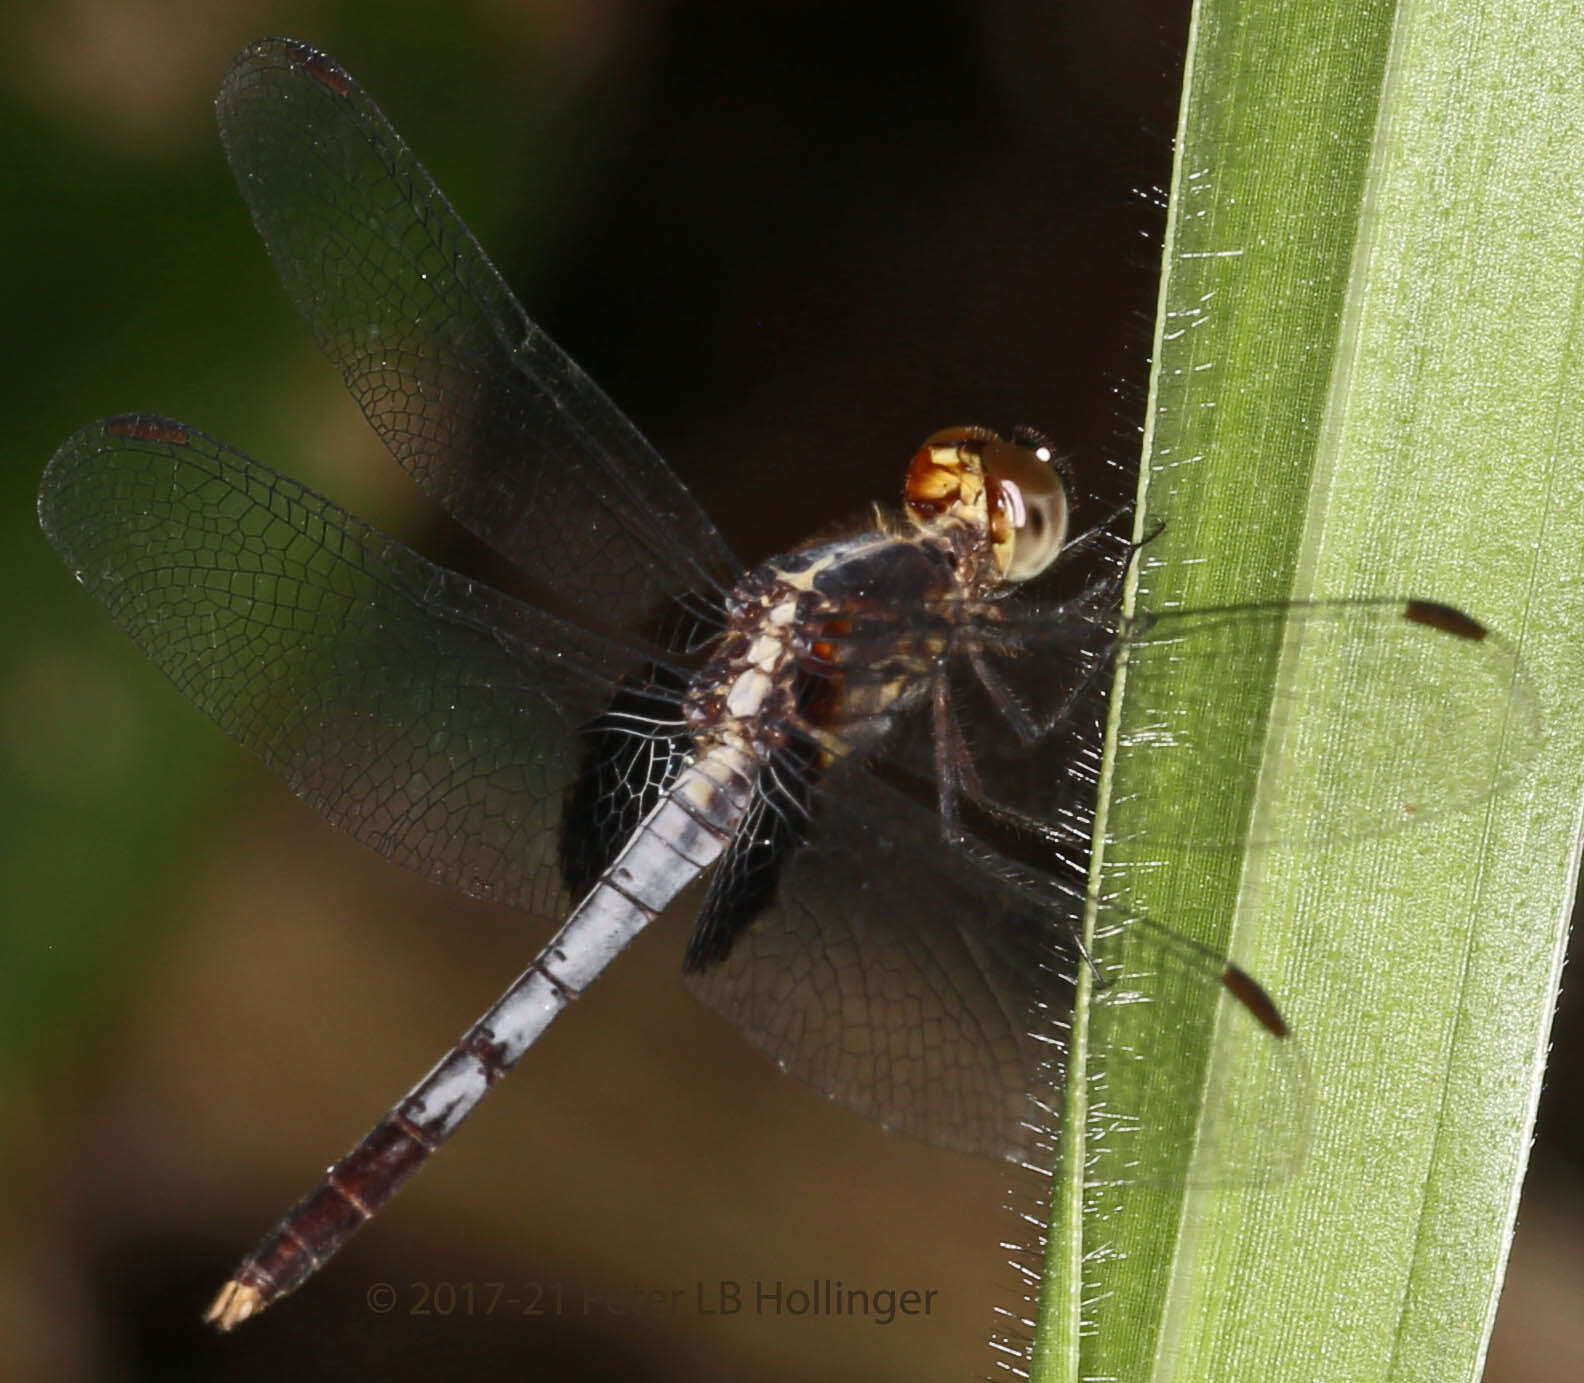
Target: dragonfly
point(865, 765)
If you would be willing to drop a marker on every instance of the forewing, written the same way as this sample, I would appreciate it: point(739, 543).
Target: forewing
point(1228, 693)
point(429, 716)
point(1383, 713)
point(475, 401)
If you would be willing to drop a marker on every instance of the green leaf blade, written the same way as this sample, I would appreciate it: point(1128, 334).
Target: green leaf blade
point(1367, 382)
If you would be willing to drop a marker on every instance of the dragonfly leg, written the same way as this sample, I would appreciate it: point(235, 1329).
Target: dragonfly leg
point(954, 766)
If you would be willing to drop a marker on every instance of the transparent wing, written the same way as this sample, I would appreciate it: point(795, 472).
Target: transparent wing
point(899, 977)
point(1449, 697)
point(1218, 694)
point(930, 987)
point(896, 971)
point(431, 717)
point(481, 408)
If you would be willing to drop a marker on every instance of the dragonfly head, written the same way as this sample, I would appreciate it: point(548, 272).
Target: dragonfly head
point(1006, 496)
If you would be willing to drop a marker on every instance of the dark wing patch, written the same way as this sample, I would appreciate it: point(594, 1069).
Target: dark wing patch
point(631, 753)
point(744, 883)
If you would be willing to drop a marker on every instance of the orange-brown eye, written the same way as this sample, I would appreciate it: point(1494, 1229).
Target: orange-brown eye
point(1028, 508)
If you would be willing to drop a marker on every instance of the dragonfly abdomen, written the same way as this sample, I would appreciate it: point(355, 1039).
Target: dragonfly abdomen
point(684, 834)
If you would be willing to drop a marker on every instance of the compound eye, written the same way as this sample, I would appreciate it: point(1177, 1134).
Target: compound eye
point(1028, 508)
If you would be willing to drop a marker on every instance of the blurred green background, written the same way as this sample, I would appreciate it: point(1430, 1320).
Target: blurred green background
point(788, 244)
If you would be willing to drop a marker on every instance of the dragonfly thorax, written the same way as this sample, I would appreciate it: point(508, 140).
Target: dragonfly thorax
point(820, 643)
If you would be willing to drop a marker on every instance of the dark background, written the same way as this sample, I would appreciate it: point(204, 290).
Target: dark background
point(789, 243)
